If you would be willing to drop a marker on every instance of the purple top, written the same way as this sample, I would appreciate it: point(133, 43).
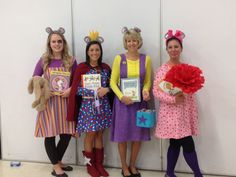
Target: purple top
point(38, 71)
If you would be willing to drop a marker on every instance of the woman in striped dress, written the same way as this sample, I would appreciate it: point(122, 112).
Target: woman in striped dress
point(52, 121)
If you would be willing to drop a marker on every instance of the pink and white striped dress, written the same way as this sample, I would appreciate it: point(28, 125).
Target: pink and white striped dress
point(174, 121)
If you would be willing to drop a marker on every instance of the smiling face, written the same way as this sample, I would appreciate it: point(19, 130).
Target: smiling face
point(174, 49)
point(132, 44)
point(94, 53)
point(132, 40)
point(56, 44)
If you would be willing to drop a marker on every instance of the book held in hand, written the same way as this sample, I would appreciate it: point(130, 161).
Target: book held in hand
point(59, 81)
point(91, 81)
point(167, 87)
point(131, 87)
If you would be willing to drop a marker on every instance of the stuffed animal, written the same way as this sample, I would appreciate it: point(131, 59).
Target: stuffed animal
point(40, 87)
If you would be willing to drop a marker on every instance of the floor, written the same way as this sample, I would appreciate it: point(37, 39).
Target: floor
point(28, 169)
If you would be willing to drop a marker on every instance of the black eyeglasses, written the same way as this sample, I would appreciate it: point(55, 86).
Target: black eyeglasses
point(58, 41)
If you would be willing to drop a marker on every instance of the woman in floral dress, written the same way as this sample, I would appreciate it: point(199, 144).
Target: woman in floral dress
point(93, 108)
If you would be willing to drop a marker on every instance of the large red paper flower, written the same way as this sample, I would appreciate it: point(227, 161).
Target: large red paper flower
point(186, 77)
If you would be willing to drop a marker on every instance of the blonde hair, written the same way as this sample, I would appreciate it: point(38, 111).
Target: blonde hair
point(67, 59)
point(132, 33)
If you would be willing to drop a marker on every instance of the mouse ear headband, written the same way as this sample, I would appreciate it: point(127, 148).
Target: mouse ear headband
point(93, 36)
point(126, 30)
point(60, 30)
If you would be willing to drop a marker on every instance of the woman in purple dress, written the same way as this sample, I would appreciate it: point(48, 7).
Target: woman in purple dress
point(52, 121)
point(131, 64)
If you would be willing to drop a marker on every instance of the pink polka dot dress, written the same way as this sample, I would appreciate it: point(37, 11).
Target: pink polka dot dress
point(174, 120)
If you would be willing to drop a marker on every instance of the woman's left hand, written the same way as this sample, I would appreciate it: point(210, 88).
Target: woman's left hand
point(146, 95)
point(65, 93)
point(102, 91)
point(76, 135)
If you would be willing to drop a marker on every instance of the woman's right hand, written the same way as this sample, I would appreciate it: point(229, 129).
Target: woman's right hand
point(126, 100)
point(179, 98)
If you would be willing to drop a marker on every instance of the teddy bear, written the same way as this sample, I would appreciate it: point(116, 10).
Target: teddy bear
point(40, 87)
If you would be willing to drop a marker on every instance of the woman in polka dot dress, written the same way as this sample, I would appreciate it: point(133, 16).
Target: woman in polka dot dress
point(94, 112)
point(177, 117)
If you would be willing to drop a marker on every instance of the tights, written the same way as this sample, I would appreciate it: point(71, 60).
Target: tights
point(188, 152)
point(56, 152)
point(186, 142)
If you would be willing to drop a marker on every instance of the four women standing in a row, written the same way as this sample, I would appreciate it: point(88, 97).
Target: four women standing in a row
point(90, 109)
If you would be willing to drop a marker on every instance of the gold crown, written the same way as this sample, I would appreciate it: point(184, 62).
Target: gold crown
point(93, 35)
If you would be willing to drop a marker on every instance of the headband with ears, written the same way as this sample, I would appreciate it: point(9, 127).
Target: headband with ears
point(93, 36)
point(126, 30)
point(178, 34)
point(50, 31)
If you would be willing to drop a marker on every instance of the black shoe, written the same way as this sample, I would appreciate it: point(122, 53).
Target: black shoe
point(67, 168)
point(126, 176)
point(59, 175)
point(135, 174)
